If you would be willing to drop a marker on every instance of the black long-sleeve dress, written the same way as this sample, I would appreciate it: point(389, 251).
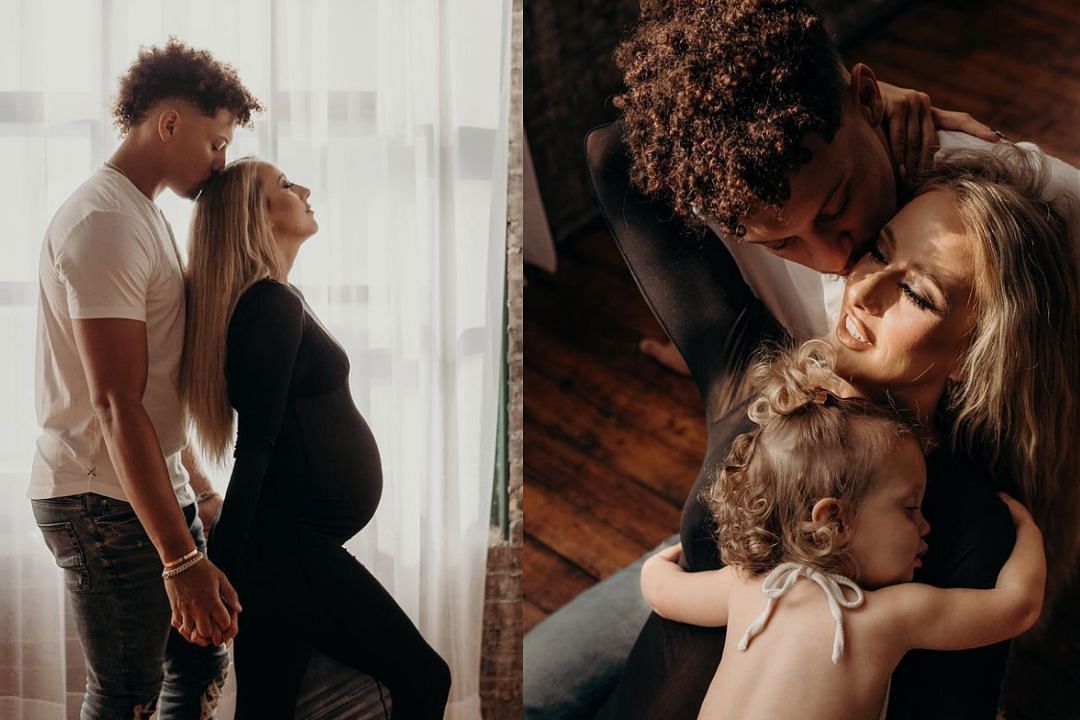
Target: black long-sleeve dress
point(307, 478)
point(697, 293)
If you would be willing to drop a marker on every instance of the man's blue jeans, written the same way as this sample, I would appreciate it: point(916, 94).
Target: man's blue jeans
point(113, 576)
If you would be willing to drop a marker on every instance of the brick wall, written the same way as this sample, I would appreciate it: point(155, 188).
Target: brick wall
point(500, 662)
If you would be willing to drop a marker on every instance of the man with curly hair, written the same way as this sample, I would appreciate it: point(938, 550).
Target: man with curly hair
point(112, 480)
point(741, 114)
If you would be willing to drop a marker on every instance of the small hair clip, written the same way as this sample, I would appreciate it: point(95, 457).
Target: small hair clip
point(820, 396)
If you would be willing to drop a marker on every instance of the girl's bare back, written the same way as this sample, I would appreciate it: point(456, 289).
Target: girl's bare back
point(787, 670)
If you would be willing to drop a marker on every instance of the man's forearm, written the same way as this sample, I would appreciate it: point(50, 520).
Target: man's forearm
point(140, 466)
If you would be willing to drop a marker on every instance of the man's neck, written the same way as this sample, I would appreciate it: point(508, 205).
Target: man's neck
point(135, 159)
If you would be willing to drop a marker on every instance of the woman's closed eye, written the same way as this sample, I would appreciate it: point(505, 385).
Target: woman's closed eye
point(917, 299)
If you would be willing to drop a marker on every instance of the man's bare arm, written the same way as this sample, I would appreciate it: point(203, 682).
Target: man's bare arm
point(114, 358)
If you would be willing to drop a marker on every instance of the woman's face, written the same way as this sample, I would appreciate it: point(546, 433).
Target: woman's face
point(907, 309)
point(888, 530)
point(290, 215)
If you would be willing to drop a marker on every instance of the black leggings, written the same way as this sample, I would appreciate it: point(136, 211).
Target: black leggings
point(301, 590)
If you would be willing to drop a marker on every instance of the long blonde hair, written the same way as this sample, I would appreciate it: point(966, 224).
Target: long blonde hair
point(1017, 399)
point(231, 247)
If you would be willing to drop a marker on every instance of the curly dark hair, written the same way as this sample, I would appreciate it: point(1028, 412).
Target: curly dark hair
point(177, 70)
point(719, 95)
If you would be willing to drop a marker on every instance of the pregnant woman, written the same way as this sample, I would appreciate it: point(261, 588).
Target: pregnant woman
point(963, 312)
point(307, 475)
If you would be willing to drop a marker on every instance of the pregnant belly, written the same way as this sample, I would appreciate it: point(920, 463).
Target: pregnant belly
point(344, 481)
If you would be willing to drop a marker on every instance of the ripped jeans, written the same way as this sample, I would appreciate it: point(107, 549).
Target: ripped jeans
point(133, 655)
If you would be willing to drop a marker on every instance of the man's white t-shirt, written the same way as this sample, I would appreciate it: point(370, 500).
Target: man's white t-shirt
point(108, 253)
point(807, 303)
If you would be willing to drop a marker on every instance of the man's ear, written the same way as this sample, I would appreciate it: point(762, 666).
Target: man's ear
point(866, 95)
point(830, 511)
point(166, 125)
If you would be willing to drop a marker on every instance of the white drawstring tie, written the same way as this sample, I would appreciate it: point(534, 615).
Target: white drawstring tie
point(783, 578)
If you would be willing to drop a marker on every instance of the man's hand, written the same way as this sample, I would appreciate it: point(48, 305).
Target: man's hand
point(209, 510)
point(913, 123)
point(204, 604)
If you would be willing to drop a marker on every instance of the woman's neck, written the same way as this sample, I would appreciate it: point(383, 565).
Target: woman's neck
point(287, 250)
point(921, 400)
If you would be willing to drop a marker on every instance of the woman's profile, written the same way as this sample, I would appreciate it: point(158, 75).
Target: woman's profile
point(307, 475)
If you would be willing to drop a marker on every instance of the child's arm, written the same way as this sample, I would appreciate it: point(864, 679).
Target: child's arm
point(699, 598)
point(958, 619)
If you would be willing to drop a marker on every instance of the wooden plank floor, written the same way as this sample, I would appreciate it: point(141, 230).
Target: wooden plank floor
point(612, 441)
point(610, 438)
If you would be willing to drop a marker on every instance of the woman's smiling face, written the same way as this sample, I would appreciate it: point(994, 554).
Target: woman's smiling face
point(907, 311)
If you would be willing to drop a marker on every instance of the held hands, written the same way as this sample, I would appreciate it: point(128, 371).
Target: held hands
point(204, 604)
point(912, 124)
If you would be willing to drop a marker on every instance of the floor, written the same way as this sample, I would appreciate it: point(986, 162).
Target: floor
point(613, 441)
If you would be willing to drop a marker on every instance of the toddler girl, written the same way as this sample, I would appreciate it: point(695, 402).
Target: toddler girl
point(828, 489)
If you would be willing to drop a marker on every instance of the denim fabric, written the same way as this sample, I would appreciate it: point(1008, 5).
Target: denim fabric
point(574, 657)
point(136, 661)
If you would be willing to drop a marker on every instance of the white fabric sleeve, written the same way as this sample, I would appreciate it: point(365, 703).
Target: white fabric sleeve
point(107, 267)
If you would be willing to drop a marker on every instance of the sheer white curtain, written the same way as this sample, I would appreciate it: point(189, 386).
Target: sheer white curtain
point(394, 112)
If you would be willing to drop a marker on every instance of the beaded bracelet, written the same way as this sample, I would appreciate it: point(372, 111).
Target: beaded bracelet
point(180, 561)
point(173, 572)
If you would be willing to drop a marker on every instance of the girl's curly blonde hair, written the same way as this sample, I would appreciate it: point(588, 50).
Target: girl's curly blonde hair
point(809, 444)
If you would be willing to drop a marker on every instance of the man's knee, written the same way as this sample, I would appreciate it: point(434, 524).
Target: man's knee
point(105, 703)
point(194, 678)
point(212, 691)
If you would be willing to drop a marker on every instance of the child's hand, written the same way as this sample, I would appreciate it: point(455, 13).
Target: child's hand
point(1020, 514)
point(699, 598)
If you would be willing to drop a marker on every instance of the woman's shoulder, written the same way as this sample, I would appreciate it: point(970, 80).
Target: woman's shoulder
point(268, 299)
